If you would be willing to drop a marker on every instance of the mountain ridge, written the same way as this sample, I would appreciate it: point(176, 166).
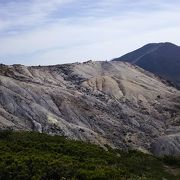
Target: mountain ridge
point(162, 59)
point(113, 103)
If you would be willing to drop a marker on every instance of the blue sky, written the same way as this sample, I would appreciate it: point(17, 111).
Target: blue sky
point(46, 32)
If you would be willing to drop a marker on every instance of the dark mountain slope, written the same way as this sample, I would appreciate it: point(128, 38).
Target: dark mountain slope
point(160, 58)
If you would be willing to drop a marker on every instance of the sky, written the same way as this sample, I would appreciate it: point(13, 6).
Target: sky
point(44, 32)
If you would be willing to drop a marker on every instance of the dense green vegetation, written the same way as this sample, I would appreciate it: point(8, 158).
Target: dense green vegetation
point(30, 155)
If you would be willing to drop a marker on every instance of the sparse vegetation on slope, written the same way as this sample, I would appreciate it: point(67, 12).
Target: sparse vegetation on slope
point(31, 155)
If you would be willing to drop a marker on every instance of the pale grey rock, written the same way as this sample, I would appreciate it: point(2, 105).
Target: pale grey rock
point(112, 103)
point(167, 145)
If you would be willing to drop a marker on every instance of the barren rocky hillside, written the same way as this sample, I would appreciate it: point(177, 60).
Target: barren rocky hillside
point(112, 103)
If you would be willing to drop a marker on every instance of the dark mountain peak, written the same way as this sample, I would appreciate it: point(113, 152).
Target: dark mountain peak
point(149, 45)
point(162, 59)
point(168, 49)
point(168, 44)
point(161, 44)
point(156, 46)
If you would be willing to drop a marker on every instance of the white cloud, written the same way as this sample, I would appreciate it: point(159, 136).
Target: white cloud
point(90, 34)
point(25, 14)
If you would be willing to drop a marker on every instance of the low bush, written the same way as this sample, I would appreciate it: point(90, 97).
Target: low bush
point(31, 155)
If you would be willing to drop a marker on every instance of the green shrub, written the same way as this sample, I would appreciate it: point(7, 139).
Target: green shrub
point(171, 160)
point(30, 155)
point(5, 133)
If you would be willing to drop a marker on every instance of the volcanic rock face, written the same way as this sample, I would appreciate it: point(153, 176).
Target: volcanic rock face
point(167, 145)
point(112, 103)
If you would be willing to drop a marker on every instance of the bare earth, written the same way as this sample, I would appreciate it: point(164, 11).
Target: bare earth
point(112, 103)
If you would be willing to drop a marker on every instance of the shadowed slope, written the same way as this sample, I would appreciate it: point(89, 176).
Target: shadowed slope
point(160, 58)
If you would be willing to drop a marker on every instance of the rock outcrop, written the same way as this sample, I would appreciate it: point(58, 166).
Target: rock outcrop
point(113, 103)
point(167, 145)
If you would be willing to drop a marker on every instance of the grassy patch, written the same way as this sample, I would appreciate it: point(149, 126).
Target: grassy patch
point(30, 155)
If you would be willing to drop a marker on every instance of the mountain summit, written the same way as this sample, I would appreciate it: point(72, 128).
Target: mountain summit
point(162, 59)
